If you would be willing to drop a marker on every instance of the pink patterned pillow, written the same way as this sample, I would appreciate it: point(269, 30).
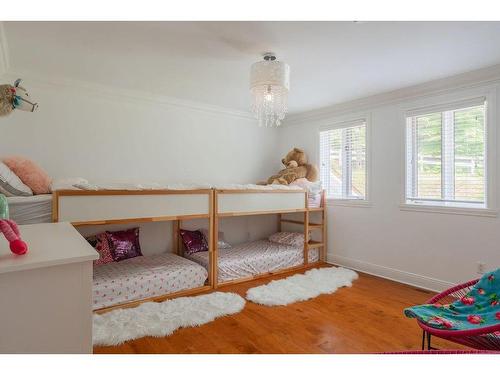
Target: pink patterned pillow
point(194, 241)
point(288, 238)
point(29, 173)
point(101, 244)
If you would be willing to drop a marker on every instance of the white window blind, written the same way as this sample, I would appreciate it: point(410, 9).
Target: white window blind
point(343, 161)
point(445, 155)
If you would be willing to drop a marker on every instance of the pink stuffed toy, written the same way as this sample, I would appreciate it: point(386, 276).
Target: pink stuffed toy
point(11, 232)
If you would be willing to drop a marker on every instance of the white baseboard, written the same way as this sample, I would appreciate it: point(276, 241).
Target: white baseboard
point(420, 281)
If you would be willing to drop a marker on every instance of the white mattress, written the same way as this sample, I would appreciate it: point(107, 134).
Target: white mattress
point(31, 210)
point(79, 183)
point(254, 258)
point(144, 277)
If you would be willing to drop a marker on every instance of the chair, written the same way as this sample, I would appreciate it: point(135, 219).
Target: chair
point(442, 352)
point(486, 338)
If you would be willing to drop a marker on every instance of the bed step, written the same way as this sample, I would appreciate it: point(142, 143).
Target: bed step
point(313, 209)
point(315, 226)
point(314, 244)
point(311, 225)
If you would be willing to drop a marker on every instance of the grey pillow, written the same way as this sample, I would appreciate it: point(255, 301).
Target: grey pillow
point(11, 185)
point(221, 243)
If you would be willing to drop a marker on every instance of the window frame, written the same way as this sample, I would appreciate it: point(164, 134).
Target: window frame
point(442, 104)
point(343, 123)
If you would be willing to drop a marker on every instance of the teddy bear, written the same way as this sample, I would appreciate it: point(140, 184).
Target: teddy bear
point(296, 167)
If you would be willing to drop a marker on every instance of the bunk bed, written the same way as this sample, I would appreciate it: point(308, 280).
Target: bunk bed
point(146, 278)
point(260, 258)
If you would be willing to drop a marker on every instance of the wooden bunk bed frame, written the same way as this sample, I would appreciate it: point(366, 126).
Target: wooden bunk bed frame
point(59, 214)
point(213, 216)
point(308, 243)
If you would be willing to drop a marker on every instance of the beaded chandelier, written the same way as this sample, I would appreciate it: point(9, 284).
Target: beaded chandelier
point(269, 84)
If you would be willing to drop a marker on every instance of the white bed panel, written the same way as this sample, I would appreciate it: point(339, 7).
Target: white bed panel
point(258, 202)
point(81, 208)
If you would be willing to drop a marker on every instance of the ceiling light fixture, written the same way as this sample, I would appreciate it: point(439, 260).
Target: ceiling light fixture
point(269, 84)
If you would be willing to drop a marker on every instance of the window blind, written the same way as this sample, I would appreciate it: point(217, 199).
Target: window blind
point(343, 161)
point(445, 156)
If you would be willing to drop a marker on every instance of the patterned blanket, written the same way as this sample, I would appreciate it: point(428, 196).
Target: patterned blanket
point(480, 307)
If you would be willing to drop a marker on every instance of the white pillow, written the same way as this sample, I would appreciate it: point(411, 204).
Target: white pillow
point(221, 243)
point(313, 188)
point(288, 238)
point(11, 185)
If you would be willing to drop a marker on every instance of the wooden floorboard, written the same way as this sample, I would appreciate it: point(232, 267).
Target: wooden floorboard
point(366, 318)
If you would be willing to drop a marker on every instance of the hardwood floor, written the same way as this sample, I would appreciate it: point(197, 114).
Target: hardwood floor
point(366, 318)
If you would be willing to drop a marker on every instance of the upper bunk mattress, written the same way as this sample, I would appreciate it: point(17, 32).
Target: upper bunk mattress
point(31, 210)
point(254, 258)
point(144, 277)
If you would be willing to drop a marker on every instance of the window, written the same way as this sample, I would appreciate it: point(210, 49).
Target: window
point(445, 155)
point(343, 161)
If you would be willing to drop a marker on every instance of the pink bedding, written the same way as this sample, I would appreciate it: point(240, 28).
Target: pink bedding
point(144, 277)
point(254, 258)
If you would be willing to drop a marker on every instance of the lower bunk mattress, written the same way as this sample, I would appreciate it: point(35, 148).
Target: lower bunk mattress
point(254, 258)
point(144, 277)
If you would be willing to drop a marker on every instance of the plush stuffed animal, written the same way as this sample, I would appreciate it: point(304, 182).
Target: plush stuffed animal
point(10, 230)
point(296, 167)
point(15, 97)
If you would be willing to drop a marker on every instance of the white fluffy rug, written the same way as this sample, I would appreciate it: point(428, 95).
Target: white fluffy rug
point(163, 318)
point(302, 287)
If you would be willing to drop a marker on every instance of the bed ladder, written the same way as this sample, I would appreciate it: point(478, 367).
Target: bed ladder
point(311, 226)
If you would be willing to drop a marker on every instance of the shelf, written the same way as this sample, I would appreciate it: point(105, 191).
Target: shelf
point(314, 244)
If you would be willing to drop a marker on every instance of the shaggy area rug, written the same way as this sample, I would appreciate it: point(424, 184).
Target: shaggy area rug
point(302, 287)
point(160, 319)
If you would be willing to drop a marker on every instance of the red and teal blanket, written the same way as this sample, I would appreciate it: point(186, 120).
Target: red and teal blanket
point(480, 307)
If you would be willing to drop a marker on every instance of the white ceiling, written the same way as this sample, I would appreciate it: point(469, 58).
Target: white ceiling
point(209, 62)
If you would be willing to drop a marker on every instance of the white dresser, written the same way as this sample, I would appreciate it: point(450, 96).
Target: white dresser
point(46, 295)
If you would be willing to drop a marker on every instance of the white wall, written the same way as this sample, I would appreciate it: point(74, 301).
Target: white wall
point(83, 132)
point(108, 135)
point(431, 250)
